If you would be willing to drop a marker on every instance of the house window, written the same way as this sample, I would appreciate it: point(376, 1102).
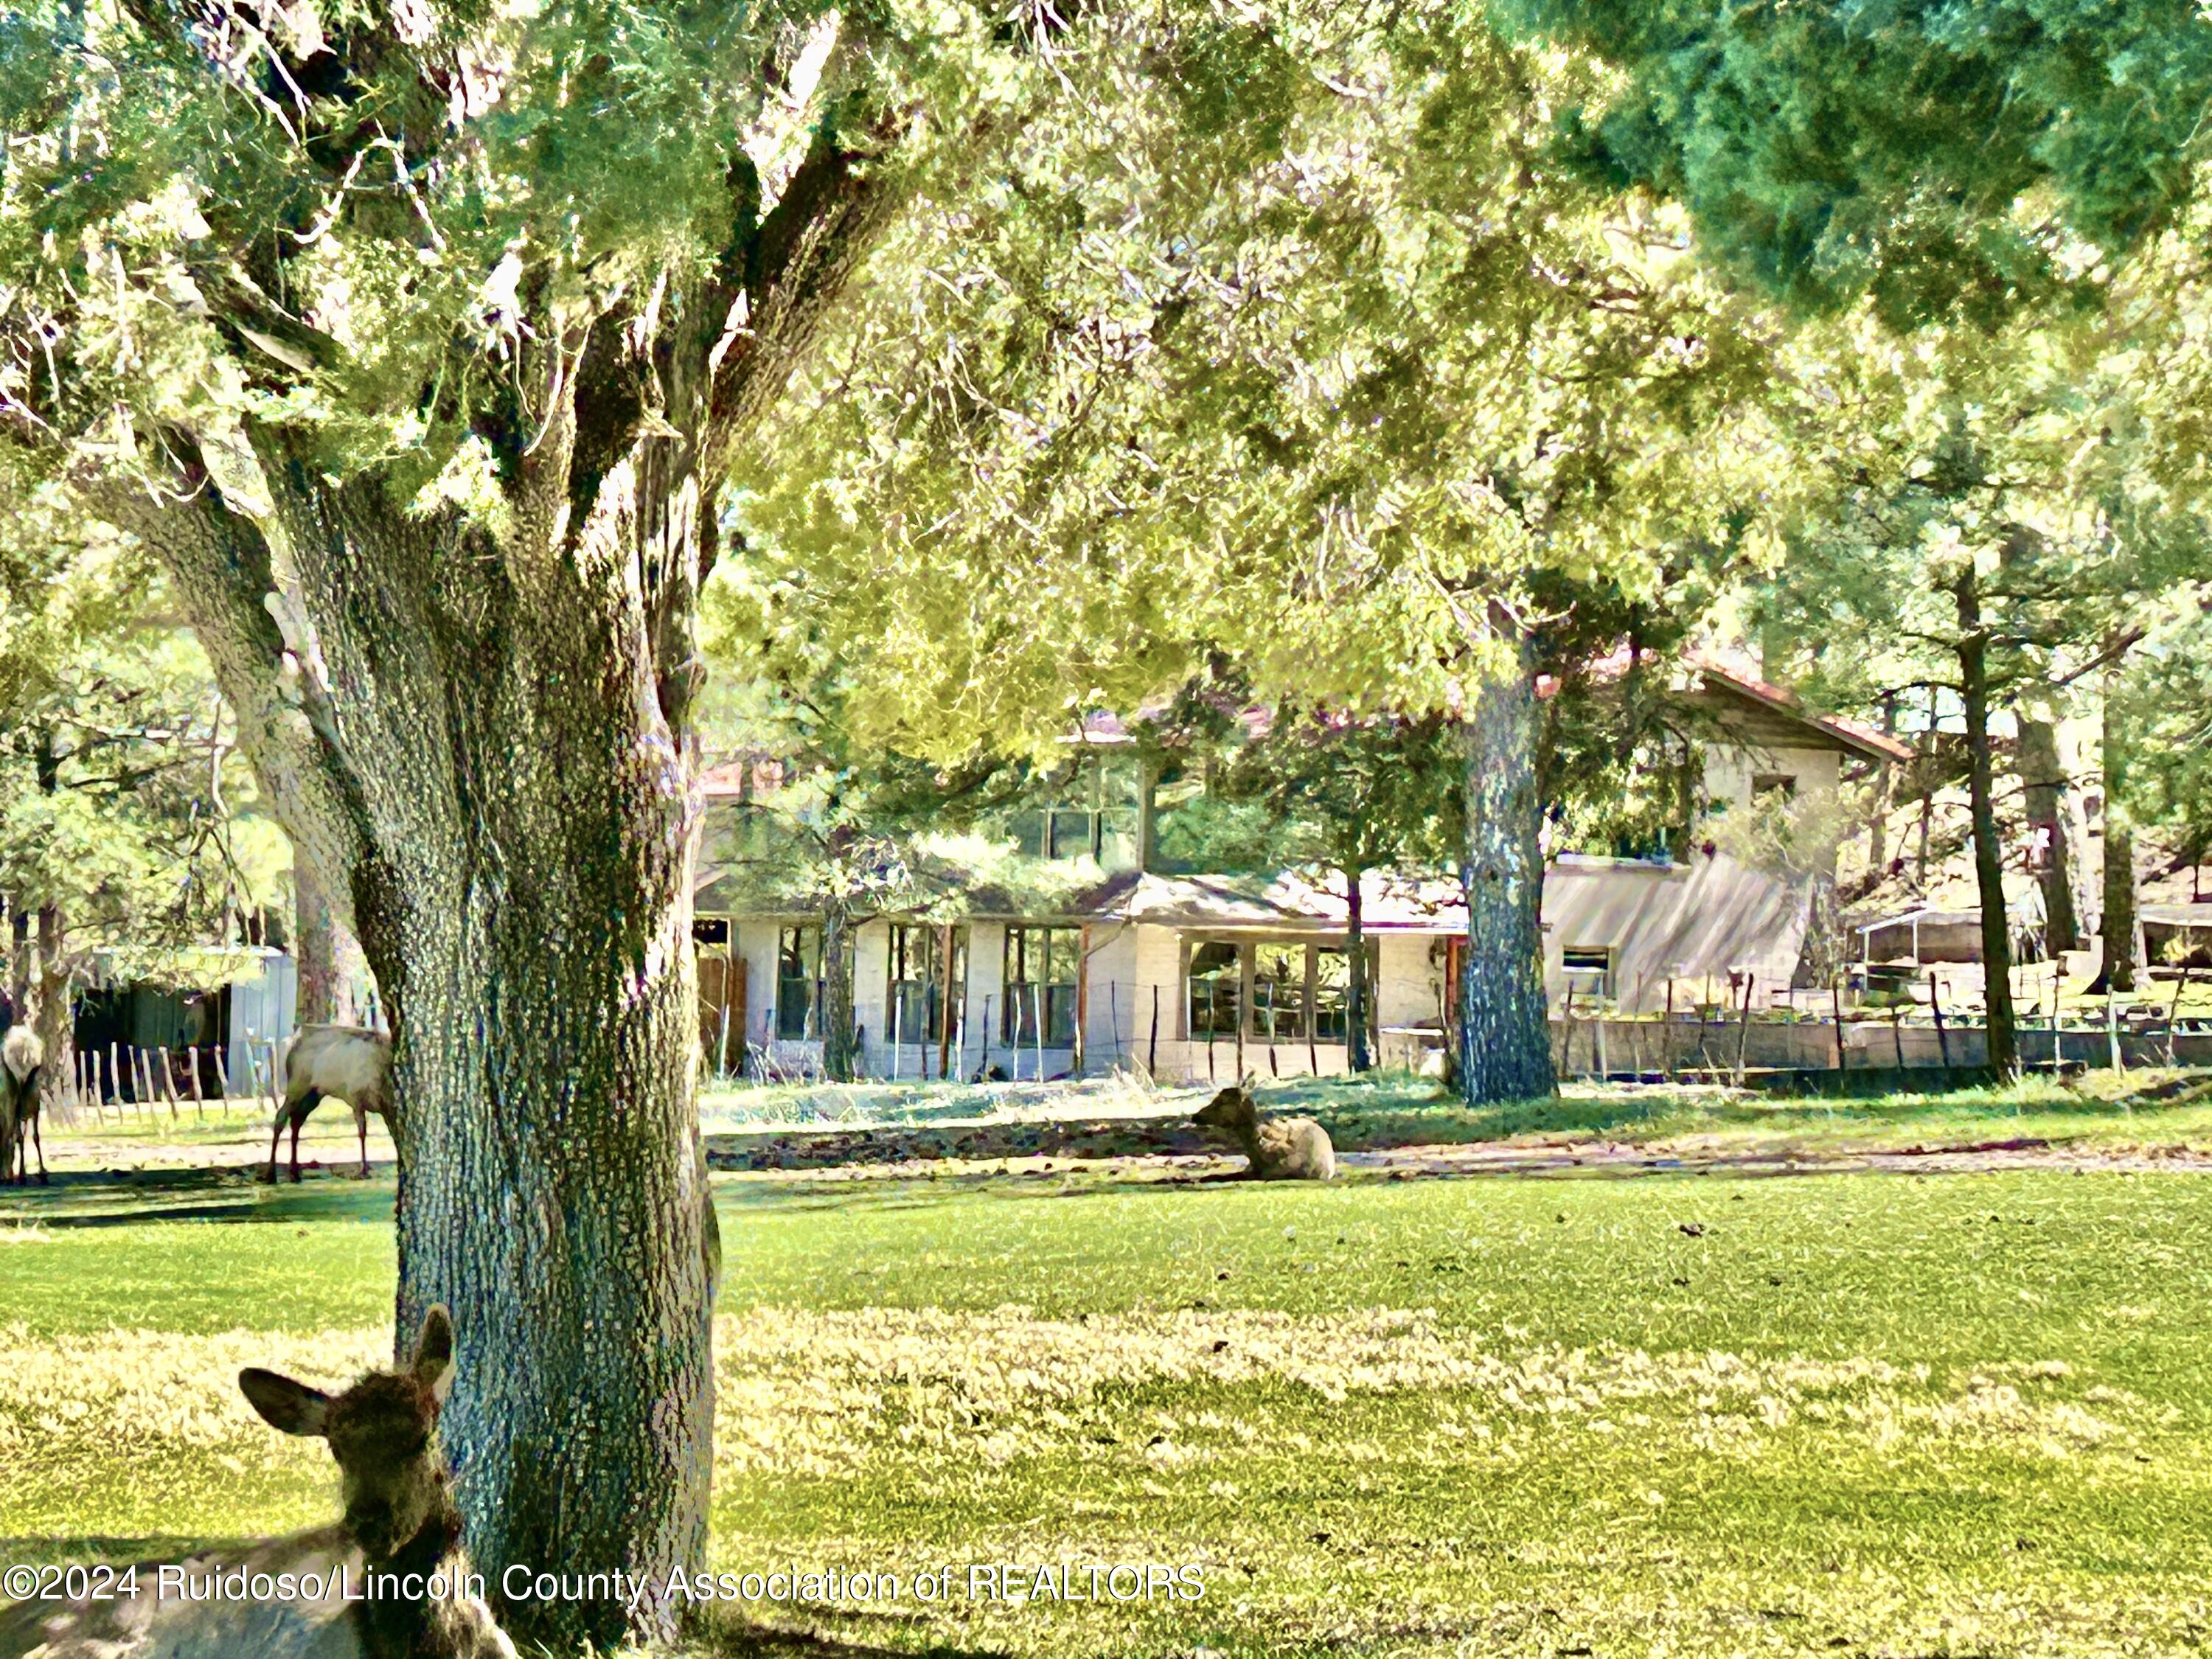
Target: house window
point(1217, 981)
point(1783, 784)
point(1091, 810)
point(711, 930)
point(1070, 832)
point(1588, 971)
point(798, 981)
point(918, 1001)
point(1297, 990)
point(1279, 992)
point(1332, 992)
point(1040, 979)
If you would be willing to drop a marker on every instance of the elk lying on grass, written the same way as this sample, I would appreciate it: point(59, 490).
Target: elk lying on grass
point(389, 1582)
point(22, 1057)
point(1277, 1149)
point(347, 1061)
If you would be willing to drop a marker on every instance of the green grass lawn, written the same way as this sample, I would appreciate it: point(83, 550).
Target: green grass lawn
point(1883, 1414)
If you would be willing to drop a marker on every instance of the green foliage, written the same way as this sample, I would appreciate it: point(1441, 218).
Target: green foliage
point(117, 779)
point(2024, 460)
point(1940, 158)
point(1378, 794)
point(1334, 386)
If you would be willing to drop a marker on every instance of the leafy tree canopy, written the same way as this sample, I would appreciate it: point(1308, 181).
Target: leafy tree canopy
point(1944, 159)
point(1335, 389)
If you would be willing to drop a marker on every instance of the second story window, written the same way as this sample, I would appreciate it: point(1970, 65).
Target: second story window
point(1092, 809)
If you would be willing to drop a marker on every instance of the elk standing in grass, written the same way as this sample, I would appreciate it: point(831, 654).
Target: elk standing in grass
point(348, 1061)
point(1277, 1149)
point(390, 1581)
point(22, 1058)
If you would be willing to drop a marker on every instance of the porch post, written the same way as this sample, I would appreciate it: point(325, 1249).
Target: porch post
point(1082, 997)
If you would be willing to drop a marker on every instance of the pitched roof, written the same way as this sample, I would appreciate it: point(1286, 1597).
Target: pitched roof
point(1768, 709)
point(1293, 900)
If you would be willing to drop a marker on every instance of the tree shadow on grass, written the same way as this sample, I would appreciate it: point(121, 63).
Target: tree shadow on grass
point(716, 1633)
point(125, 1198)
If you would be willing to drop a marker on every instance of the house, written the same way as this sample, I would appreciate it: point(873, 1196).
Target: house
point(1640, 934)
point(1208, 975)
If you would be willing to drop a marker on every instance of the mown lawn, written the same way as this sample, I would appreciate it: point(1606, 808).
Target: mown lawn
point(1688, 1415)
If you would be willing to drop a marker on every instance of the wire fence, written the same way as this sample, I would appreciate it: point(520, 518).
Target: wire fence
point(1034, 1033)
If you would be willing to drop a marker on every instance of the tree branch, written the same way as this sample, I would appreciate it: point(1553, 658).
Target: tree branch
point(221, 563)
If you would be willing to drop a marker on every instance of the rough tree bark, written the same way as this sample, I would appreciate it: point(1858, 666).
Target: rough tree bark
point(19, 959)
point(52, 1018)
point(1989, 864)
point(840, 1048)
point(1356, 1057)
point(1504, 1035)
point(473, 728)
point(2123, 955)
point(325, 989)
point(2046, 788)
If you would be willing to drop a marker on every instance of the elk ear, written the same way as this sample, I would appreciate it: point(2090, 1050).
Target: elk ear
point(284, 1404)
point(434, 1353)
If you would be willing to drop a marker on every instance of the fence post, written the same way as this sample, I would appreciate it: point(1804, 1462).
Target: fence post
point(1743, 1028)
point(1935, 1001)
point(1152, 1044)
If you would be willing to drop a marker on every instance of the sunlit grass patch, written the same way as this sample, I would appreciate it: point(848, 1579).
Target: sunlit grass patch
point(1674, 1415)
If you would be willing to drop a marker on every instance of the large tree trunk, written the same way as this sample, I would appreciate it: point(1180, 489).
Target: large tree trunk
point(1505, 1042)
point(1356, 1057)
point(468, 707)
point(2124, 954)
point(1989, 863)
point(19, 960)
point(54, 1019)
point(840, 1043)
point(2046, 788)
point(486, 744)
point(325, 987)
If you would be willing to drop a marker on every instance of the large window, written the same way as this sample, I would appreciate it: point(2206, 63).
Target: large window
point(1040, 979)
point(1332, 993)
point(1216, 988)
point(1278, 992)
point(798, 981)
point(920, 1001)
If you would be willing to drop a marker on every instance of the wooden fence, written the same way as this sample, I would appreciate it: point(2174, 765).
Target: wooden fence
point(123, 1083)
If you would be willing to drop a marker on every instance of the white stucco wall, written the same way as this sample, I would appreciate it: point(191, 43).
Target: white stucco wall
point(1730, 769)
